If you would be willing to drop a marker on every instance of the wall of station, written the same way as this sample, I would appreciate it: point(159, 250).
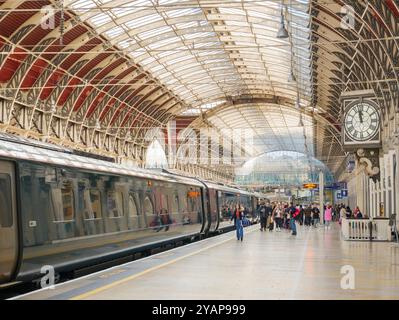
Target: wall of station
point(376, 197)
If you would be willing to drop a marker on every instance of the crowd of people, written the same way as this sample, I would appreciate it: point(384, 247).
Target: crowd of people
point(280, 215)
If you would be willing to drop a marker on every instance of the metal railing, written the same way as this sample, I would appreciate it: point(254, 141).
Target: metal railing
point(366, 229)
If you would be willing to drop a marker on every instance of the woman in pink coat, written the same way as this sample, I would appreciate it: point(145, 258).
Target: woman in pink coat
point(328, 216)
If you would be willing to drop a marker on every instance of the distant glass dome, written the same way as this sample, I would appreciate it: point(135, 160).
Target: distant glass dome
point(282, 168)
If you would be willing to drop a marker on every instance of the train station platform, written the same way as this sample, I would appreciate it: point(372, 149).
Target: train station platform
point(266, 265)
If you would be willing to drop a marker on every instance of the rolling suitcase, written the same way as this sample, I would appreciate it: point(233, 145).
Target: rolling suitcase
point(271, 226)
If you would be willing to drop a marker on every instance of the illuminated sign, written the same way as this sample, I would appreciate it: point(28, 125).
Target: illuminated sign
point(193, 194)
point(310, 186)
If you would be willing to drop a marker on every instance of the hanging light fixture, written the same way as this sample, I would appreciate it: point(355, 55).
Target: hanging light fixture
point(297, 102)
point(282, 31)
point(291, 77)
point(300, 124)
point(98, 125)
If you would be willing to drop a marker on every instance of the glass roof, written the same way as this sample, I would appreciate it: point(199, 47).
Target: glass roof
point(282, 168)
point(207, 51)
point(273, 127)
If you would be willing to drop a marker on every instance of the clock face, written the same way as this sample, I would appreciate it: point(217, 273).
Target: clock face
point(362, 121)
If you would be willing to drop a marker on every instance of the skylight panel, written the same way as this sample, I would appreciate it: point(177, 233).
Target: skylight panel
point(121, 12)
point(83, 5)
point(139, 22)
point(114, 32)
point(147, 61)
point(185, 25)
point(183, 58)
point(183, 12)
point(198, 35)
point(232, 11)
point(100, 19)
point(154, 32)
point(126, 43)
point(137, 53)
point(164, 42)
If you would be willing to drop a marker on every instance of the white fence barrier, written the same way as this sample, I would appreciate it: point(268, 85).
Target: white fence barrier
point(359, 229)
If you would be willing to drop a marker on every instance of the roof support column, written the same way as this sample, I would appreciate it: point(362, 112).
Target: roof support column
point(321, 192)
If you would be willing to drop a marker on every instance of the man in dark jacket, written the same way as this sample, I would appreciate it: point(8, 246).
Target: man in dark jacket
point(308, 216)
point(263, 217)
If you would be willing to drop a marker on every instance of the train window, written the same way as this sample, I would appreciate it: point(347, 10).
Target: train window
point(133, 212)
point(92, 203)
point(175, 204)
point(6, 220)
point(63, 202)
point(67, 201)
point(148, 206)
point(95, 198)
point(115, 204)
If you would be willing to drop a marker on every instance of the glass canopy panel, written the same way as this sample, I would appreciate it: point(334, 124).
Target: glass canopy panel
point(282, 168)
point(232, 42)
point(273, 127)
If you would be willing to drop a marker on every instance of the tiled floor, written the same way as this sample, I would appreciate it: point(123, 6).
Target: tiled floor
point(266, 265)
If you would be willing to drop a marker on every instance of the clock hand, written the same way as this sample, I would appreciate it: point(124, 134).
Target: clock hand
point(361, 116)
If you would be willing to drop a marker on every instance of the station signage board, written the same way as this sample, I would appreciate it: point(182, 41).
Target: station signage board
point(310, 185)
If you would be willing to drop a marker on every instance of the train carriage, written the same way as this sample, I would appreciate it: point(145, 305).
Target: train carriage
point(71, 212)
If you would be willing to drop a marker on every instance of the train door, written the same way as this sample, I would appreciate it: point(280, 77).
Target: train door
point(8, 222)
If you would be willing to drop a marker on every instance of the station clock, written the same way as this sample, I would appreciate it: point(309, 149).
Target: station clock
point(361, 123)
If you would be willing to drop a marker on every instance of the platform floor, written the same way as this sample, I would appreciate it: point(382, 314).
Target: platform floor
point(266, 265)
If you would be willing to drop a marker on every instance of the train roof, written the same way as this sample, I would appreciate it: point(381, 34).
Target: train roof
point(225, 188)
point(36, 151)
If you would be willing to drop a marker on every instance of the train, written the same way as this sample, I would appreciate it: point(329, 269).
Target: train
point(71, 211)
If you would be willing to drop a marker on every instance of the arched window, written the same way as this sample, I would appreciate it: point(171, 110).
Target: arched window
point(115, 204)
point(175, 204)
point(133, 212)
point(92, 204)
point(156, 157)
point(148, 206)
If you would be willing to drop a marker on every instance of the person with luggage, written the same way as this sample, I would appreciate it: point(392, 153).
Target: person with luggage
point(269, 211)
point(238, 217)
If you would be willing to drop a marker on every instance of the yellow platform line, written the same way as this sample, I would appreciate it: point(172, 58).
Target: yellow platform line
point(134, 276)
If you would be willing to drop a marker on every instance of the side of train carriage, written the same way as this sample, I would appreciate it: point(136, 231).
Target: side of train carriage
point(72, 212)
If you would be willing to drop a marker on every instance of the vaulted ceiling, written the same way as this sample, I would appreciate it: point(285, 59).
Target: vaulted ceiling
point(106, 71)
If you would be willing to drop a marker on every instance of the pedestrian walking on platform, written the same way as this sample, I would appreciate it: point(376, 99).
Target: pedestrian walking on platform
point(277, 217)
point(238, 217)
point(292, 213)
point(308, 216)
point(263, 218)
point(315, 216)
point(328, 216)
